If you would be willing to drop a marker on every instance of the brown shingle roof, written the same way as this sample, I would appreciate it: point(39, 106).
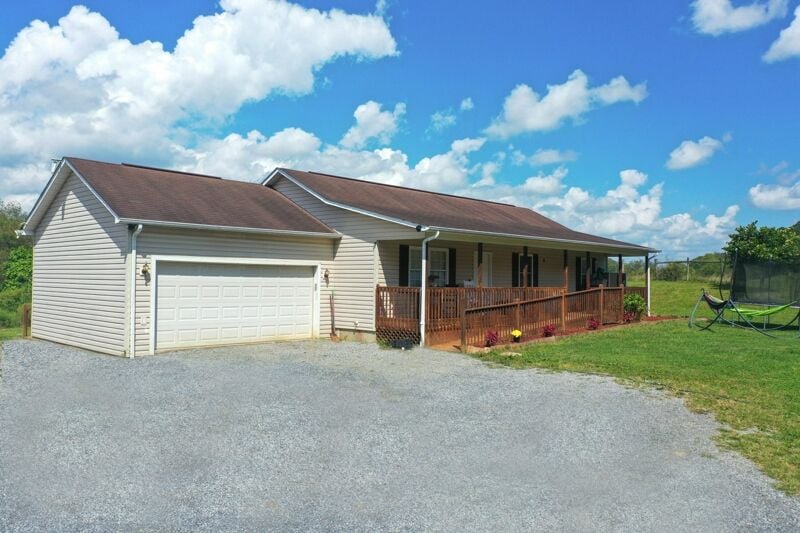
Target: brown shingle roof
point(443, 211)
point(139, 193)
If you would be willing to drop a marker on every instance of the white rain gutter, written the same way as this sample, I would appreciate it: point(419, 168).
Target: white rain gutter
point(132, 306)
point(424, 285)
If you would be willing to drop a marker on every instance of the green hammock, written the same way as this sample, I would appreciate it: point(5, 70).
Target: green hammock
point(758, 313)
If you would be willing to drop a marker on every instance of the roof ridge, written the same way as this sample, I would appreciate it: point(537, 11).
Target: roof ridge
point(134, 165)
point(406, 188)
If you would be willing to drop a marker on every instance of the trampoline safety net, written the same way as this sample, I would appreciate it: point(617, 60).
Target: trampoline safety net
point(765, 283)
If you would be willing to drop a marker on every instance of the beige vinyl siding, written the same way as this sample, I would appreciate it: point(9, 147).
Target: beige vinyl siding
point(551, 262)
point(205, 244)
point(79, 274)
point(353, 270)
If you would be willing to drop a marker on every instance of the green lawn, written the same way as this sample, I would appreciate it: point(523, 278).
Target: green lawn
point(750, 382)
point(7, 334)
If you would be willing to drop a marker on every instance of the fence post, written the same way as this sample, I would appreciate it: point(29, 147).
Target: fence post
point(26, 320)
point(463, 330)
point(517, 324)
point(602, 305)
point(622, 305)
point(563, 312)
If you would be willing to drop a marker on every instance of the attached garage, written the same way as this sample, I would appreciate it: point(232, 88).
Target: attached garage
point(206, 304)
point(132, 260)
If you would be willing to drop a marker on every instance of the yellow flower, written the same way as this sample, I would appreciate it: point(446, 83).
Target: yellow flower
point(516, 333)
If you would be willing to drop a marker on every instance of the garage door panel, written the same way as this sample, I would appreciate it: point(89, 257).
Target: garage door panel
point(202, 304)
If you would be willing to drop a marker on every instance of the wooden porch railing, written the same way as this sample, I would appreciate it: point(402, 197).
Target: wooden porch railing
point(641, 291)
point(397, 313)
point(498, 309)
point(445, 305)
point(563, 312)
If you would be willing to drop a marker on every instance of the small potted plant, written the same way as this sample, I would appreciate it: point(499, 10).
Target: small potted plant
point(593, 323)
point(516, 335)
point(549, 330)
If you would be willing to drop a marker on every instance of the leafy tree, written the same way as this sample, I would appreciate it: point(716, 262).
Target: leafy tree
point(18, 269)
point(796, 226)
point(765, 243)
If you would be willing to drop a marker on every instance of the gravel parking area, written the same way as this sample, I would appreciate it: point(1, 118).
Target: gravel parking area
point(322, 436)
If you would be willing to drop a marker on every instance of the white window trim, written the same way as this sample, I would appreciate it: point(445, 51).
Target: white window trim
point(155, 259)
point(446, 252)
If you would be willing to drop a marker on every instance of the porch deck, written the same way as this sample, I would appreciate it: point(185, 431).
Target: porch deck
point(457, 315)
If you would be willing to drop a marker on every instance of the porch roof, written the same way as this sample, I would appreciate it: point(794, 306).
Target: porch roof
point(456, 215)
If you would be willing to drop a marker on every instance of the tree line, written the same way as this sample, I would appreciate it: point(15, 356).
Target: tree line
point(16, 265)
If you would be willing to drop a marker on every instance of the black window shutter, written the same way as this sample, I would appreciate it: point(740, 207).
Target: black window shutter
point(514, 269)
point(403, 278)
point(451, 267)
point(535, 274)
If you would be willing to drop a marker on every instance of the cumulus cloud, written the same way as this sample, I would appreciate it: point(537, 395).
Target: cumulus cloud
point(524, 110)
point(78, 87)
point(627, 211)
point(441, 120)
point(692, 153)
point(445, 118)
point(373, 123)
point(715, 17)
point(787, 44)
point(545, 156)
point(776, 196)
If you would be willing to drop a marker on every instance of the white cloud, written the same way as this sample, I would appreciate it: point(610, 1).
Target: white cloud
point(546, 156)
point(788, 42)
point(779, 197)
point(442, 120)
point(78, 87)
point(624, 212)
point(692, 153)
point(373, 123)
point(446, 118)
point(524, 110)
point(715, 17)
point(546, 184)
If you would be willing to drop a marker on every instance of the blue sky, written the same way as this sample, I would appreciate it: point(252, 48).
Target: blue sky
point(666, 123)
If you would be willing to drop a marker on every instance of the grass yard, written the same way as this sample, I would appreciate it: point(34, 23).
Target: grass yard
point(749, 382)
point(7, 334)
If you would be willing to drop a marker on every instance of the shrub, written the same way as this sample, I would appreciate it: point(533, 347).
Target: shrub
point(11, 301)
point(593, 323)
point(549, 330)
point(633, 306)
point(491, 338)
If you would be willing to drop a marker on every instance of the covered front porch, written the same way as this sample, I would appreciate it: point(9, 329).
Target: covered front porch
point(465, 287)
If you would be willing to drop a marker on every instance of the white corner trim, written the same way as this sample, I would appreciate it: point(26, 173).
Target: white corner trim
point(99, 198)
point(337, 204)
point(57, 179)
point(155, 259)
point(190, 225)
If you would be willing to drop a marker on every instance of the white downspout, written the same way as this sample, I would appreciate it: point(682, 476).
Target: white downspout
point(134, 256)
point(424, 286)
point(647, 260)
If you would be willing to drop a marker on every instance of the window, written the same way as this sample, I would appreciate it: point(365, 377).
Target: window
point(438, 267)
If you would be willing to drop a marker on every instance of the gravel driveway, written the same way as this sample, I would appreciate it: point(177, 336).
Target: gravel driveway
point(321, 436)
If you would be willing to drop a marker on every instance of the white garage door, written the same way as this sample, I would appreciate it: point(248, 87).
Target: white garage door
point(206, 304)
